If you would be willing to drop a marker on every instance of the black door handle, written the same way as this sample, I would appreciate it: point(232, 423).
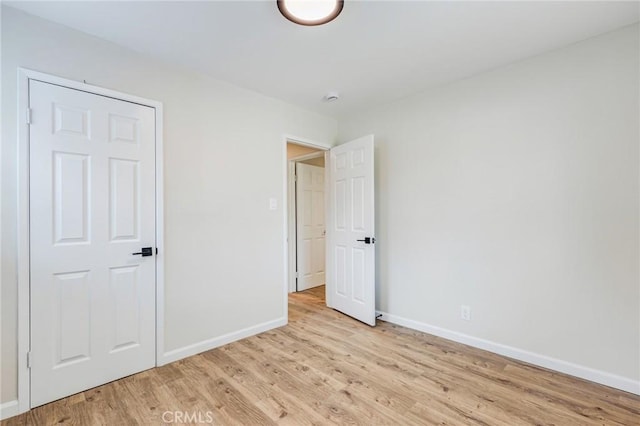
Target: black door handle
point(368, 240)
point(145, 251)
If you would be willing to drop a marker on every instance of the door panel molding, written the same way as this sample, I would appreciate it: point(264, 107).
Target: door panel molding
point(75, 122)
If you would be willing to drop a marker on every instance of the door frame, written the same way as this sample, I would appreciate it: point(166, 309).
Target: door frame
point(24, 260)
point(288, 237)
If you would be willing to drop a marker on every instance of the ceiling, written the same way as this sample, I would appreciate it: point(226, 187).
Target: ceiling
point(374, 52)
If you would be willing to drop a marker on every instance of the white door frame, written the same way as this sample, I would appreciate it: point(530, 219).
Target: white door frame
point(288, 240)
point(24, 75)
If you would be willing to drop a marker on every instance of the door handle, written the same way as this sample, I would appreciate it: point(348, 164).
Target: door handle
point(144, 252)
point(368, 240)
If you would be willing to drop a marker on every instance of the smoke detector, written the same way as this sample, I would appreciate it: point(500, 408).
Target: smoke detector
point(331, 97)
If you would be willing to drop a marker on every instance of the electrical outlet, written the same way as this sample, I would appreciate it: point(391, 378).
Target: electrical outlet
point(465, 312)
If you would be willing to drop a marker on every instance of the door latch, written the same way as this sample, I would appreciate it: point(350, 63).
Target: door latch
point(144, 252)
point(368, 240)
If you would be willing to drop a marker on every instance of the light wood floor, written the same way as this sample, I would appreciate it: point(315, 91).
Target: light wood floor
point(325, 368)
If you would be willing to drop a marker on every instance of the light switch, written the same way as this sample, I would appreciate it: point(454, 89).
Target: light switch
point(273, 203)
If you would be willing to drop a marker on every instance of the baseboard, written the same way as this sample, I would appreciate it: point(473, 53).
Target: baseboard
point(9, 409)
point(209, 344)
point(597, 376)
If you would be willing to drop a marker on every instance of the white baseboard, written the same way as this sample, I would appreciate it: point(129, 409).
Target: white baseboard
point(598, 376)
point(206, 345)
point(9, 409)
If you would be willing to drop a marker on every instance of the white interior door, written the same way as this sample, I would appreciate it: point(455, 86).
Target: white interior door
point(92, 206)
point(310, 232)
point(351, 242)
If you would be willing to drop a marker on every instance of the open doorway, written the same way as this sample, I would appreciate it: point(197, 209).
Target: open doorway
point(348, 254)
point(306, 217)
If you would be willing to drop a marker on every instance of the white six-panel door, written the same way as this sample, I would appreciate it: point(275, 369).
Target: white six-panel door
point(92, 204)
point(351, 248)
point(310, 223)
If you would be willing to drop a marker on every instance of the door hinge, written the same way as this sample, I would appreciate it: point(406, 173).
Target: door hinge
point(297, 274)
point(28, 116)
point(29, 359)
point(295, 178)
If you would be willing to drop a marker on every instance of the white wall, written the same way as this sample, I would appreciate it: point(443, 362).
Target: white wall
point(516, 192)
point(223, 160)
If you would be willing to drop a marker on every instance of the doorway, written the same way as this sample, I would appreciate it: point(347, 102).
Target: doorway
point(306, 216)
point(350, 227)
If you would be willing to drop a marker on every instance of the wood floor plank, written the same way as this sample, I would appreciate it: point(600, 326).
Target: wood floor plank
point(315, 391)
point(383, 393)
point(325, 368)
point(348, 386)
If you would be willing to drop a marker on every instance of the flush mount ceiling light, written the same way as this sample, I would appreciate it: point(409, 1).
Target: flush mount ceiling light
point(310, 12)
